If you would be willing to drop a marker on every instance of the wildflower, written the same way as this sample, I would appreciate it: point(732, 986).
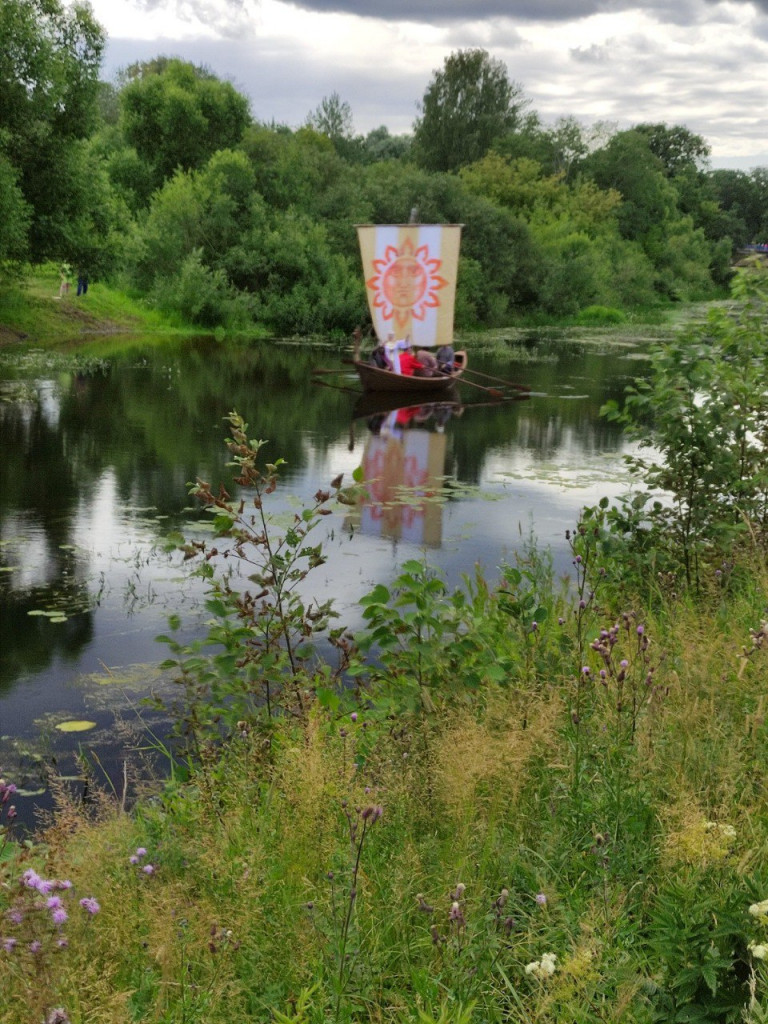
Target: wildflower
point(543, 968)
point(90, 904)
point(759, 909)
point(148, 869)
point(541, 899)
point(15, 915)
point(140, 851)
point(133, 859)
point(53, 902)
point(31, 879)
point(8, 944)
point(353, 716)
point(561, 621)
point(759, 952)
point(59, 915)
point(585, 670)
point(640, 630)
point(458, 891)
point(35, 946)
point(57, 1016)
point(424, 907)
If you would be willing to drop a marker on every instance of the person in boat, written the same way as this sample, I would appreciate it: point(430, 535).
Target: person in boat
point(429, 364)
point(446, 359)
point(409, 364)
point(394, 350)
point(379, 357)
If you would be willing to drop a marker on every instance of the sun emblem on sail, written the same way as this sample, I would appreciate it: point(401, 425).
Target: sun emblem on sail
point(406, 283)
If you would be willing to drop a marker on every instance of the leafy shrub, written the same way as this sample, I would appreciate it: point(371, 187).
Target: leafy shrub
point(598, 315)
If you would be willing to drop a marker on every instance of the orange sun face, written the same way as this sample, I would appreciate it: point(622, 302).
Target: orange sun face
point(406, 283)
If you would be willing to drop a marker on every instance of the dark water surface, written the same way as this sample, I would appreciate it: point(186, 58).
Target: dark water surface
point(94, 467)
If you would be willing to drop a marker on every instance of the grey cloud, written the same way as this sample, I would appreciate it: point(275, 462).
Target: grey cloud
point(446, 12)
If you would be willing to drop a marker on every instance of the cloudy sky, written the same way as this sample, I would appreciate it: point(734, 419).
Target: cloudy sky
point(701, 63)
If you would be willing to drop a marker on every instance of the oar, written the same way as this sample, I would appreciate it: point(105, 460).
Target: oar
point(494, 392)
point(498, 380)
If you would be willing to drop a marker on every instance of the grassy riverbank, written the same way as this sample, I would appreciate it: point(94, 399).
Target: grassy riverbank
point(33, 312)
point(532, 801)
point(530, 808)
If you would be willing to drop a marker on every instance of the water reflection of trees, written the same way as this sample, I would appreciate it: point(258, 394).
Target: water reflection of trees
point(154, 422)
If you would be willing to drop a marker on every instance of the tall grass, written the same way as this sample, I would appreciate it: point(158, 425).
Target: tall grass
point(638, 878)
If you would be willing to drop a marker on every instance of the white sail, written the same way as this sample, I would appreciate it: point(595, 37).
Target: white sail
point(410, 276)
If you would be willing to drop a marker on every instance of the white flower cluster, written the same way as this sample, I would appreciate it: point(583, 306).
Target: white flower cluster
point(759, 909)
point(759, 952)
point(543, 968)
point(726, 831)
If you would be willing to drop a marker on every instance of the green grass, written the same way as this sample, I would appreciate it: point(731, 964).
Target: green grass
point(32, 311)
point(649, 849)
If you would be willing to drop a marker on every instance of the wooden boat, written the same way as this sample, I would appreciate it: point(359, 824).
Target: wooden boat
point(410, 273)
point(374, 379)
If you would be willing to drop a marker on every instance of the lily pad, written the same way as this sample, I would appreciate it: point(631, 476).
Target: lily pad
point(76, 726)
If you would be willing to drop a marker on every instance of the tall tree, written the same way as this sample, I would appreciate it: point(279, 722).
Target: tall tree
point(49, 63)
point(678, 148)
point(468, 106)
point(177, 115)
point(332, 117)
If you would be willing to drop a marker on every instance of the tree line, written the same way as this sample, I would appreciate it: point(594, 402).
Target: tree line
point(165, 184)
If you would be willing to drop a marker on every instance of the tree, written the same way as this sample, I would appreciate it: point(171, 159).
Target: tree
point(49, 62)
point(14, 216)
point(177, 115)
point(678, 148)
point(468, 106)
point(332, 117)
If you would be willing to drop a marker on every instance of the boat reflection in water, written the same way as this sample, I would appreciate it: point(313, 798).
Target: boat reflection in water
point(403, 468)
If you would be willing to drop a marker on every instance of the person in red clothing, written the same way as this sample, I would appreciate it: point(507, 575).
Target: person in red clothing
point(409, 363)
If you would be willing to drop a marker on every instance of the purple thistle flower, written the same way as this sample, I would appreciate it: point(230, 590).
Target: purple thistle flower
point(59, 915)
point(90, 904)
point(541, 898)
point(133, 859)
point(31, 879)
point(640, 630)
point(585, 671)
point(15, 915)
point(148, 869)
point(624, 663)
point(53, 902)
point(64, 883)
point(35, 946)
point(9, 944)
point(141, 851)
point(353, 716)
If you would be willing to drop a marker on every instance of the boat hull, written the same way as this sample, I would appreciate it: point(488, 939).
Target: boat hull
point(373, 378)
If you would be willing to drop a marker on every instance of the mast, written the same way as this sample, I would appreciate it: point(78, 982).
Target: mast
point(410, 273)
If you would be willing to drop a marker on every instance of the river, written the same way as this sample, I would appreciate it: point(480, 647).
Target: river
point(96, 457)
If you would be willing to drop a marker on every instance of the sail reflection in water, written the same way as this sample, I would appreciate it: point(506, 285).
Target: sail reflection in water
point(403, 470)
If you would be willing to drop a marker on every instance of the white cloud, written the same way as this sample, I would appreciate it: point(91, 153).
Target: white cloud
point(696, 62)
